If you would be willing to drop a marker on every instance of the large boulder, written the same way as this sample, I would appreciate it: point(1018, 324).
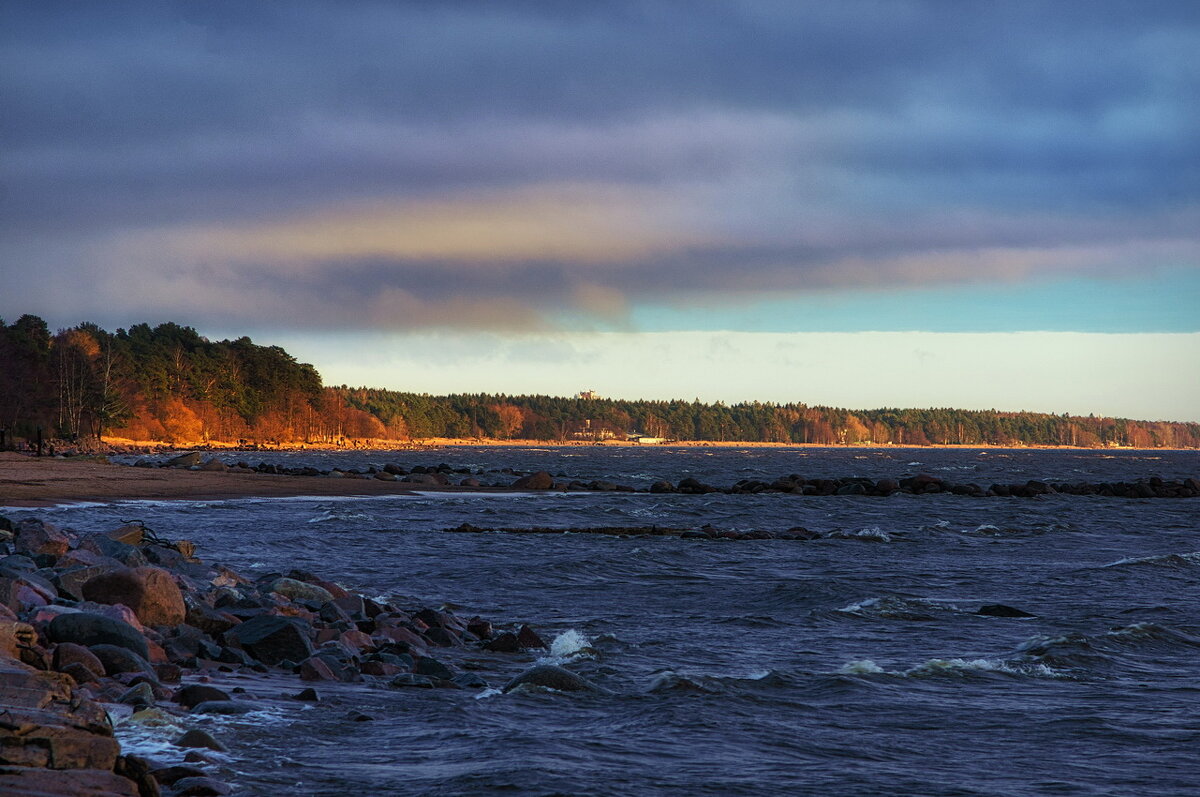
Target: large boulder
point(150, 591)
point(429, 479)
point(195, 694)
point(300, 590)
point(209, 620)
point(24, 780)
point(35, 537)
point(185, 460)
point(271, 639)
point(67, 654)
point(45, 724)
point(534, 481)
point(23, 591)
point(130, 534)
point(88, 629)
point(70, 582)
point(117, 660)
point(123, 552)
point(552, 677)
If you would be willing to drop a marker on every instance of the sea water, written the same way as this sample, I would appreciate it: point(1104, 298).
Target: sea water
point(853, 664)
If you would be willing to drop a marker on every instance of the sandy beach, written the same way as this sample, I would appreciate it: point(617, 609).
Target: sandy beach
point(30, 481)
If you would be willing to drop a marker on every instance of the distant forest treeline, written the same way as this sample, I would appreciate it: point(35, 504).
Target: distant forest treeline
point(168, 383)
point(549, 418)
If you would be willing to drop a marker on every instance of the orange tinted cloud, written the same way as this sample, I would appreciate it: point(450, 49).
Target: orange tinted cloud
point(581, 223)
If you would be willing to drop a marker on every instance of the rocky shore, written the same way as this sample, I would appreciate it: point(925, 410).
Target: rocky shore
point(129, 624)
point(444, 476)
point(45, 481)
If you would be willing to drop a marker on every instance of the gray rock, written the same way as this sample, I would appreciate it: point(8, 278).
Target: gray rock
point(103, 545)
point(430, 479)
point(1000, 610)
point(184, 460)
point(300, 590)
point(470, 680)
point(117, 660)
point(139, 696)
point(271, 639)
point(200, 787)
point(534, 481)
point(198, 738)
point(87, 629)
point(194, 694)
point(552, 677)
point(433, 668)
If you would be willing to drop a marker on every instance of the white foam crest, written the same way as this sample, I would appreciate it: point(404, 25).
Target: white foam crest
point(954, 666)
point(491, 691)
point(896, 608)
point(258, 717)
point(939, 666)
point(862, 667)
point(65, 505)
point(858, 607)
point(332, 515)
point(568, 646)
point(1135, 630)
point(1161, 559)
point(870, 533)
point(146, 733)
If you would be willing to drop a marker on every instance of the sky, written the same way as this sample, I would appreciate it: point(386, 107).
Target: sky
point(865, 204)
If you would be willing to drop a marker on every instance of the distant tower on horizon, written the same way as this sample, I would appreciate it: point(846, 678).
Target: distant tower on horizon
point(588, 394)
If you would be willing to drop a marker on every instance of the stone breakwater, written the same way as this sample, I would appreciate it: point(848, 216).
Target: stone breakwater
point(129, 623)
point(705, 532)
point(444, 476)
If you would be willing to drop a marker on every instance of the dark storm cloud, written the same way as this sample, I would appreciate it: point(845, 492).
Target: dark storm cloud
point(765, 146)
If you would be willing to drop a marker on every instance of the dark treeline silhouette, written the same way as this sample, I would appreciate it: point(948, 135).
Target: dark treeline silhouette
point(167, 383)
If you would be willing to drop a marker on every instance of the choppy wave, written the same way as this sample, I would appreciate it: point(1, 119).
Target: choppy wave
point(342, 516)
point(1139, 646)
point(700, 625)
point(870, 534)
point(669, 681)
point(891, 607)
point(933, 668)
point(1146, 635)
point(149, 732)
point(1174, 560)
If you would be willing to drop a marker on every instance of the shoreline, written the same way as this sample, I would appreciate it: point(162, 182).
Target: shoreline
point(437, 443)
point(30, 482)
point(33, 482)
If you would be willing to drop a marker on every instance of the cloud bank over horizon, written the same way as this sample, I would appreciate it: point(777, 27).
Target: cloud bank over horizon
point(536, 166)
